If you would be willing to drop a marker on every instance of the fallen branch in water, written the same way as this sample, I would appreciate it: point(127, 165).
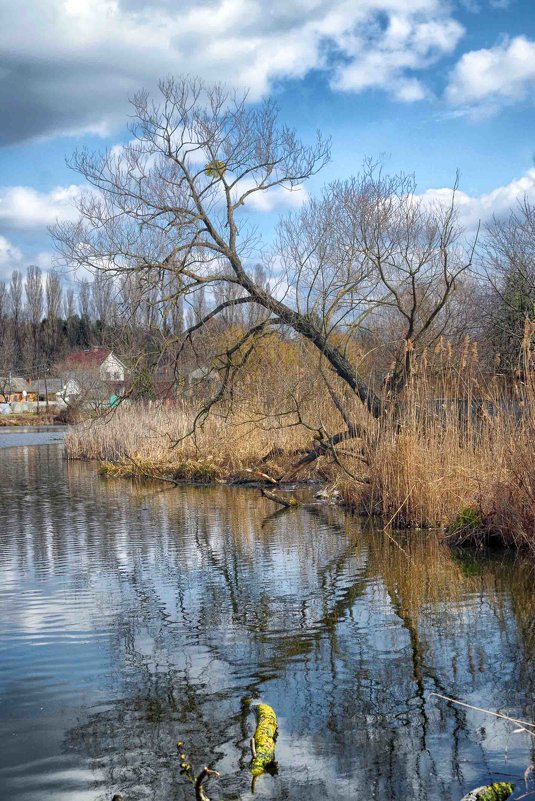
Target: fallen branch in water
point(200, 795)
point(187, 770)
point(262, 476)
point(291, 503)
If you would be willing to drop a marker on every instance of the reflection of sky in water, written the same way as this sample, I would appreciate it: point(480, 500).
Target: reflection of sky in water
point(135, 616)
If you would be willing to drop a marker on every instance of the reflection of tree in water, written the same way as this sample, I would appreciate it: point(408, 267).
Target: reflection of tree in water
point(343, 633)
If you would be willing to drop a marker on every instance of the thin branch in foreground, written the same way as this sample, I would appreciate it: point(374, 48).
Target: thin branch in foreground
point(520, 723)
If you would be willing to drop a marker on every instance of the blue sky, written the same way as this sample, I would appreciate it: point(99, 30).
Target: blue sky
point(425, 85)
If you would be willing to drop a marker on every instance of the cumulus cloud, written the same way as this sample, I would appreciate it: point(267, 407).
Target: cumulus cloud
point(484, 80)
point(69, 65)
point(387, 56)
point(10, 256)
point(25, 207)
point(481, 208)
point(275, 199)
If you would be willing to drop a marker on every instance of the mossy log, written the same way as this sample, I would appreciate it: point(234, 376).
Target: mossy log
point(499, 791)
point(263, 742)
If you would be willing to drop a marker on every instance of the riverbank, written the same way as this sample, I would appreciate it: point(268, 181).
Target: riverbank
point(472, 477)
point(29, 419)
point(155, 442)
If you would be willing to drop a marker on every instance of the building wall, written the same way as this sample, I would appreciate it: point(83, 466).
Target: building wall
point(112, 369)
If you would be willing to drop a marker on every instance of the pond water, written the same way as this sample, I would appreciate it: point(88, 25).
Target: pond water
point(133, 616)
point(16, 436)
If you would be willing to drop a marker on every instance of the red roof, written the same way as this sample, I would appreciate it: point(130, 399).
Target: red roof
point(87, 358)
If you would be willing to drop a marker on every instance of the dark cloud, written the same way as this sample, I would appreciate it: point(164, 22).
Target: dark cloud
point(69, 65)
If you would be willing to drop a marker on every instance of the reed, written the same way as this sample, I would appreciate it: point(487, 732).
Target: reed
point(456, 452)
point(151, 440)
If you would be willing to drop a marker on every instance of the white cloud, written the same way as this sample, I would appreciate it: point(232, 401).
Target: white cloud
point(387, 57)
point(25, 207)
point(484, 80)
point(274, 199)
point(481, 208)
point(69, 65)
point(10, 256)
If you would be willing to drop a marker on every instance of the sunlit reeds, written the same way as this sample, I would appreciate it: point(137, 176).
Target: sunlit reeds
point(456, 451)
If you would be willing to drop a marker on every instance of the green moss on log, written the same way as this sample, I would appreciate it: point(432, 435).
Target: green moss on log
point(264, 739)
point(499, 791)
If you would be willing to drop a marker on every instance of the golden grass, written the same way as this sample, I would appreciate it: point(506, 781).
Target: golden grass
point(458, 447)
point(146, 441)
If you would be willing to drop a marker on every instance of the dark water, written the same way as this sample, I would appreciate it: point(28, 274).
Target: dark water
point(134, 616)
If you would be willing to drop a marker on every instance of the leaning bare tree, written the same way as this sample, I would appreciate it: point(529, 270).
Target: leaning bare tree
point(171, 208)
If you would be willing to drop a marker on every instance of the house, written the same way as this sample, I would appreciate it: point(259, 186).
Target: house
point(14, 389)
point(101, 360)
point(92, 374)
point(45, 389)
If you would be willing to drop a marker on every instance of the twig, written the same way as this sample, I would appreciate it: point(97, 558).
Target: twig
point(200, 795)
point(521, 723)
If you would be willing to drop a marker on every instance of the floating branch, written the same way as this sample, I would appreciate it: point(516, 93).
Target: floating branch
point(523, 725)
point(290, 503)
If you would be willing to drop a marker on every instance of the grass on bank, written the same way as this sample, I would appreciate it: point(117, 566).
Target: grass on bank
point(458, 455)
point(28, 419)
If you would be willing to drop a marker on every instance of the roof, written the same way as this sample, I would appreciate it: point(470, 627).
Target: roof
point(87, 358)
point(52, 385)
point(14, 384)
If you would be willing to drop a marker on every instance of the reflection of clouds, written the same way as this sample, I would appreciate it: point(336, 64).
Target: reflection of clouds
point(162, 610)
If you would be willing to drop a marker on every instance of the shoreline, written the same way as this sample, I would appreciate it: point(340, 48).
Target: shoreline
point(31, 420)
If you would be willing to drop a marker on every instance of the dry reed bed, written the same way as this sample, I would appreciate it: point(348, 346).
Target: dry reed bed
point(457, 453)
point(142, 440)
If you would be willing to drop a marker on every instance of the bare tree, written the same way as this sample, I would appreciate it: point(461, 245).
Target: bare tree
point(54, 294)
point(53, 299)
point(510, 262)
point(103, 295)
point(370, 252)
point(16, 310)
point(69, 303)
point(4, 310)
point(15, 296)
point(197, 307)
point(174, 201)
point(34, 304)
point(6, 333)
point(84, 299)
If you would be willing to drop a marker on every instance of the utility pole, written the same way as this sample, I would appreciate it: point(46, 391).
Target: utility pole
point(46, 388)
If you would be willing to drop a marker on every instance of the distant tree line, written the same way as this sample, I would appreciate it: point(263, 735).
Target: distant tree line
point(43, 318)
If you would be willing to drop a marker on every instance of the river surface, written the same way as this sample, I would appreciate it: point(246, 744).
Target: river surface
point(133, 616)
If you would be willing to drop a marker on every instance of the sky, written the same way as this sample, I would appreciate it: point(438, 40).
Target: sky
point(426, 86)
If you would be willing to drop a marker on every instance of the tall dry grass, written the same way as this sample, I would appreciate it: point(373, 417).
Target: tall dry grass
point(151, 439)
point(456, 452)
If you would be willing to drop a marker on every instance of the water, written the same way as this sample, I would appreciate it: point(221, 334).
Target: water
point(133, 616)
point(16, 436)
